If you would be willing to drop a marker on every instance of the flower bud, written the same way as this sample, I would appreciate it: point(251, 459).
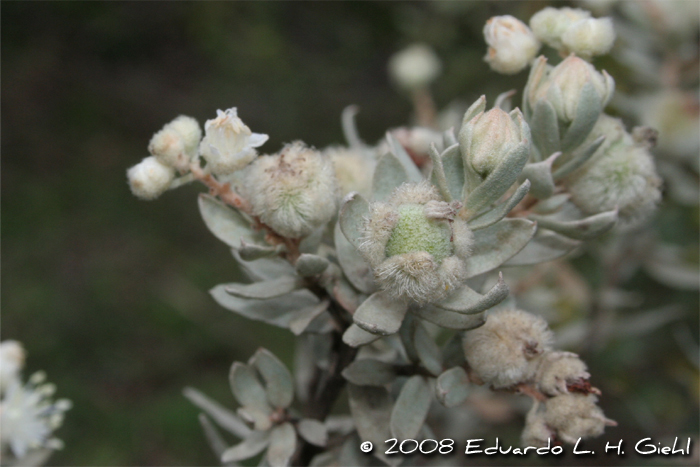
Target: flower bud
point(150, 178)
point(564, 84)
point(558, 370)
point(11, 362)
point(353, 169)
point(512, 45)
point(415, 67)
point(536, 432)
point(228, 144)
point(175, 145)
point(504, 351)
point(589, 37)
point(415, 245)
point(293, 192)
point(550, 24)
point(573, 416)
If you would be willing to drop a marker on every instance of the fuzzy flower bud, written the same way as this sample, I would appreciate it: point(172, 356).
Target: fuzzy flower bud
point(550, 24)
point(490, 136)
point(563, 86)
point(150, 178)
point(415, 245)
point(589, 37)
point(294, 192)
point(504, 351)
point(574, 416)
point(353, 169)
point(536, 432)
point(175, 145)
point(559, 369)
point(512, 45)
point(415, 67)
point(11, 362)
point(228, 144)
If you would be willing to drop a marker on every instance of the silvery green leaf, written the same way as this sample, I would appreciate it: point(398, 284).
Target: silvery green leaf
point(224, 417)
point(351, 455)
point(452, 351)
point(370, 372)
point(544, 246)
point(587, 113)
point(283, 443)
point(355, 336)
point(313, 431)
point(428, 351)
point(499, 212)
point(475, 109)
point(388, 174)
point(544, 126)
point(276, 376)
point(452, 387)
point(304, 317)
point(438, 174)
point(504, 100)
point(578, 159)
point(665, 264)
point(350, 128)
point(498, 243)
point(550, 205)
point(253, 445)
point(263, 268)
point(449, 138)
point(411, 408)
point(412, 171)
point(279, 311)
point(498, 181)
point(261, 420)
point(267, 289)
point(226, 224)
point(353, 212)
point(339, 288)
point(251, 251)
point(406, 336)
point(453, 165)
point(247, 388)
point(354, 266)
point(310, 243)
point(540, 175)
point(647, 321)
point(310, 265)
point(449, 319)
point(584, 229)
point(468, 302)
point(380, 314)
point(214, 438)
point(371, 410)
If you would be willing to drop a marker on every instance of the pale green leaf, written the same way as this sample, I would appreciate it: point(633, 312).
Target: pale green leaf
point(544, 127)
point(438, 173)
point(214, 438)
point(380, 314)
point(310, 265)
point(475, 109)
point(578, 159)
point(267, 289)
point(499, 212)
point(253, 445)
point(550, 205)
point(412, 171)
point(276, 376)
point(353, 212)
point(224, 417)
point(540, 176)
point(587, 112)
point(411, 408)
point(583, 229)
point(248, 389)
point(371, 410)
point(369, 372)
point(468, 302)
point(226, 224)
point(498, 243)
point(452, 387)
point(453, 165)
point(305, 316)
point(354, 266)
point(283, 443)
point(264, 268)
point(449, 319)
point(313, 431)
point(544, 246)
point(427, 350)
point(251, 252)
point(350, 128)
point(388, 174)
point(453, 352)
point(355, 336)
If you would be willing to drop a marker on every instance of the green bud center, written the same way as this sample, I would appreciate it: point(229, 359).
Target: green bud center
point(415, 232)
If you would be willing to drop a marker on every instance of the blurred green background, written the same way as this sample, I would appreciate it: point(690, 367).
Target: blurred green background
point(108, 293)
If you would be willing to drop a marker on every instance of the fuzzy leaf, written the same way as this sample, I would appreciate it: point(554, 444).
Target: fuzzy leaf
point(412, 171)
point(499, 212)
point(449, 319)
point(452, 351)
point(449, 138)
point(498, 243)
point(453, 165)
point(452, 387)
point(468, 302)
point(267, 289)
point(544, 126)
point(224, 417)
point(475, 109)
point(249, 447)
point(227, 225)
point(214, 438)
point(283, 443)
point(310, 265)
point(411, 408)
point(438, 174)
point(251, 251)
point(578, 159)
point(354, 266)
point(304, 317)
point(355, 336)
point(497, 182)
point(264, 268)
point(369, 372)
point(371, 410)
point(353, 212)
point(587, 113)
point(388, 175)
point(313, 431)
point(550, 205)
point(544, 246)
point(276, 376)
point(248, 389)
point(584, 229)
point(428, 351)
point(540, 175)
point(380, 314)
point(311, 242)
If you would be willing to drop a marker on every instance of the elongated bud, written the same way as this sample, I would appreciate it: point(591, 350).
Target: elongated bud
point(550, 24)
point(512, 45)
point(589, 37)
point(415, 67)
point(150, 178)
point(294, 192)
point(228, 144)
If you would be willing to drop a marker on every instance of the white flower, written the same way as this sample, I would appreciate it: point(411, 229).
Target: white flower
point(589, 37)
point(28, 417)
point(228, 144)
point(415, 67)
point(150, 178)
point(11, 362)
point(550, 24)
point(512, 45)
point(575, 416)
point(175, 145)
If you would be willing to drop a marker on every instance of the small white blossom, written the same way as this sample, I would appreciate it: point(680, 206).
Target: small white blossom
point(150, 178)
point(175, 145)
point(11, 362)
point(512, 45)
point(415, 67)
point(228, 144)
point(550, 24)
point(573, 416)
point(536, 432)
point(589, 37)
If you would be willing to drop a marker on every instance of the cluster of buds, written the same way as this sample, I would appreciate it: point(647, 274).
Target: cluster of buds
point(512, 351)
point(571, 30)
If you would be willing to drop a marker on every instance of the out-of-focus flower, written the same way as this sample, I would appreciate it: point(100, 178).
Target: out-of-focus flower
point(550, 24)
point(150, 178)
point(589, 37)
point(573, 416)
point(512, 45)
point(415, 67)
point(353, 169)
point(11, 362)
